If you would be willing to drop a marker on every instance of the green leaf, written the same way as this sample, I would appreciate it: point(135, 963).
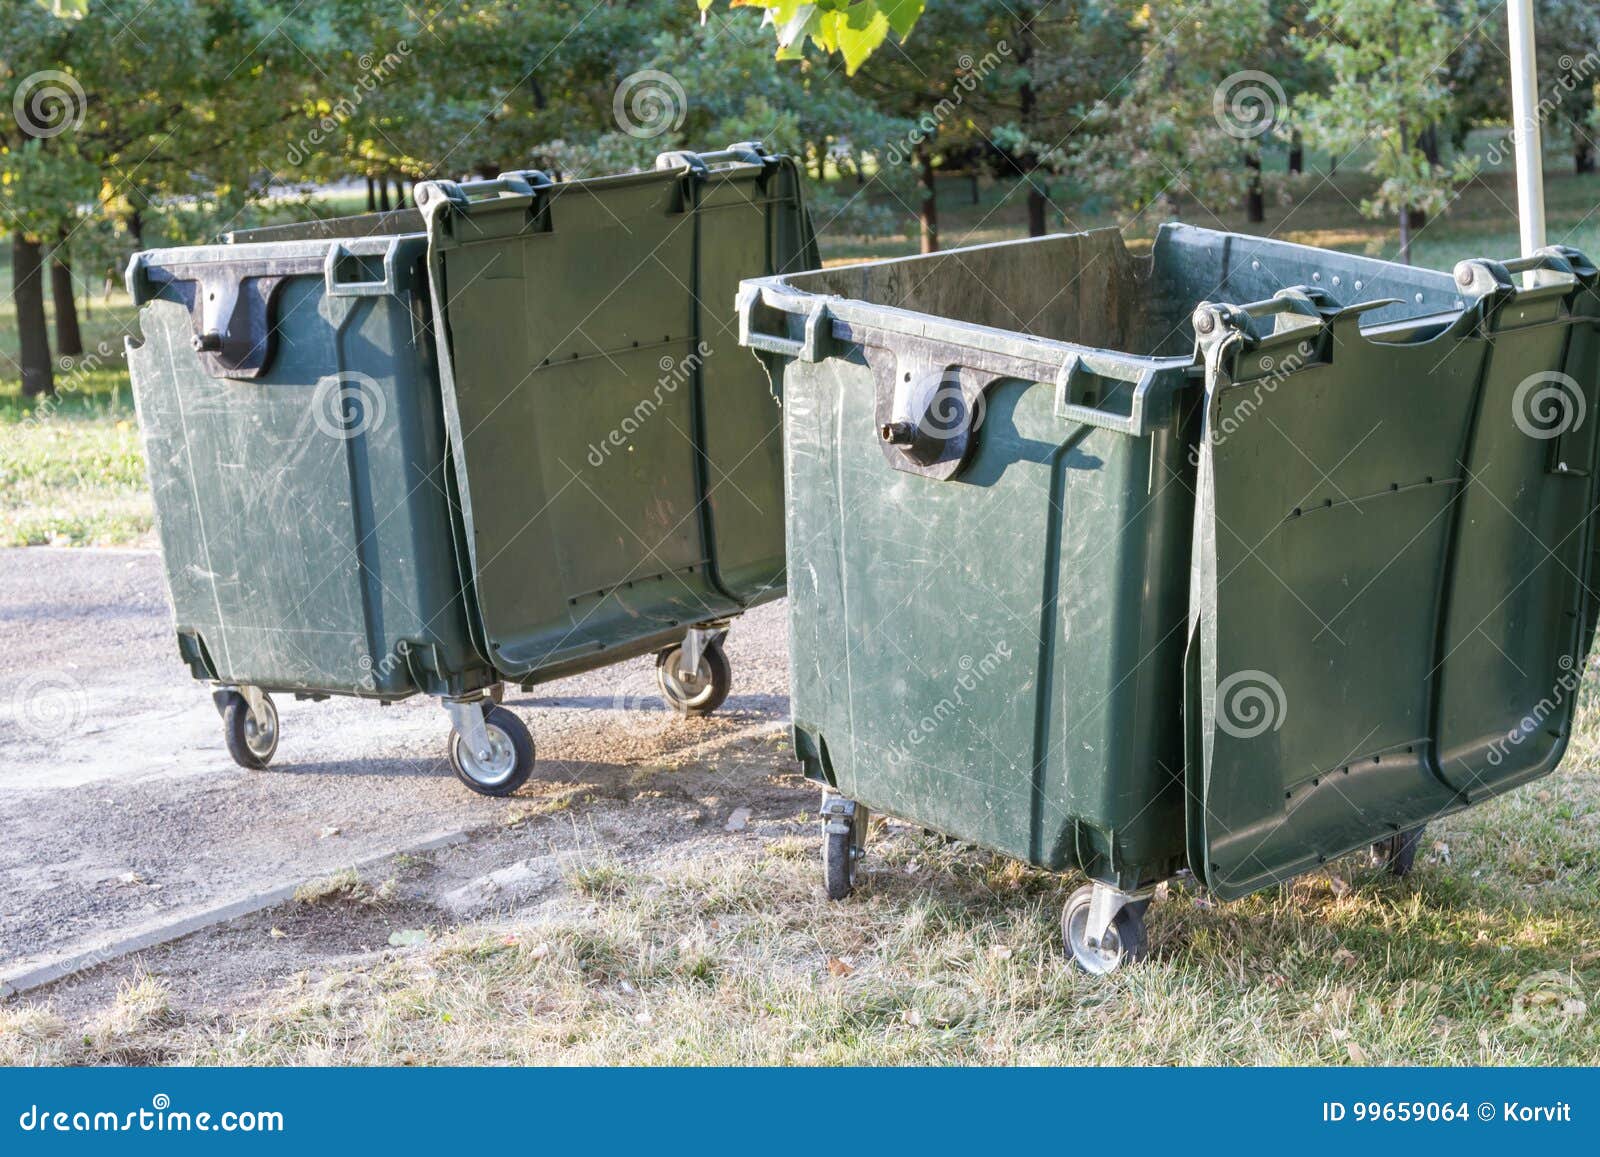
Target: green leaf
point(856, 44)
point(902, 14)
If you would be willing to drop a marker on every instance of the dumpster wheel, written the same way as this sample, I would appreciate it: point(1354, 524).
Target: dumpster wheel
point(697, 692)
point(1124, 942)
point(844, 842)
point(251, 735)
point(1398, 852)
point(506, 760)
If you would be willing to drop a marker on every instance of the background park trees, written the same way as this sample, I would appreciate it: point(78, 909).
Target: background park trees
point(125, 124)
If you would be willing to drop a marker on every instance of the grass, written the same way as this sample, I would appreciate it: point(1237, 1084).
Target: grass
point(1489, 954)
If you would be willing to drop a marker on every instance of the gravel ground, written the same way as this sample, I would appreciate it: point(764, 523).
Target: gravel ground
point(120, 811)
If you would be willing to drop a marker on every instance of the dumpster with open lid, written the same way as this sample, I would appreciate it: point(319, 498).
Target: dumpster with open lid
point(504, 437)
point(1237, 556)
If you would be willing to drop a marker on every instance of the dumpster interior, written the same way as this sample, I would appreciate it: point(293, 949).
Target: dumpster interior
point(1090, 289)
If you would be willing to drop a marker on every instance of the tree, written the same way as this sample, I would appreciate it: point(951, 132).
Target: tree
point(1187, 123)
point(131, 109)
point(1388, 62)
point(853, 28)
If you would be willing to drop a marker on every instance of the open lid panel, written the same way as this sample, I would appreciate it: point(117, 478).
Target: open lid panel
point(581, 326)
point(1393, 563)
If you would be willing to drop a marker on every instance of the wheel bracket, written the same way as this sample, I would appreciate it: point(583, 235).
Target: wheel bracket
point(696, 640)
point(256, 700)
point(466, 715)
point(1104, 904)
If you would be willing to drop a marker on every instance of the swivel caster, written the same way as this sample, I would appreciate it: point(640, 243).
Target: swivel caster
point(491, 750)
point(844, 842)
point(249, 726)
point(1103, 929)
point(1398, 852)
point(695, 676)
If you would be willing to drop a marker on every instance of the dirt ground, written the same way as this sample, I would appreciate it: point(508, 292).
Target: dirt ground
point(126, 818)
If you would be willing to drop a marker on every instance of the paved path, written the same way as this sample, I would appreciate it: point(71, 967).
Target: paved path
point(120, 810)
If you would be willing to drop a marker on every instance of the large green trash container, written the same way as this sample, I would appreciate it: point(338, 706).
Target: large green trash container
point(505, 436)
point(1235, 556)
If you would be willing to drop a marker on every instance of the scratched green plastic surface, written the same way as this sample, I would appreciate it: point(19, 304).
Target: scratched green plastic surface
point(619, 457)
point(302, 561)
point(298, 559)
point(1021, 657)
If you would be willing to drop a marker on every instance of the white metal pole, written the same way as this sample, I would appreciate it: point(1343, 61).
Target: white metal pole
point(1525, 121)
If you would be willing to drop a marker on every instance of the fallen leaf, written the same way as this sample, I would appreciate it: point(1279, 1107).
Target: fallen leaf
point(1344, 958)
point(539, 951)
point(330, 830)
point(738, 820)
point(277, 934)
point(1000, 951)
point(1339, 884)
point(839, 967)
point(408, 938)
point(1357, 1053)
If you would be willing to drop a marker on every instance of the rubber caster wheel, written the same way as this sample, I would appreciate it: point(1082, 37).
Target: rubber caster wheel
point(1125, 942)
point(699, 692)
point(1398, 853)
point(838, 865)
point(844, 832)
point(251, 741)
point(507, 763)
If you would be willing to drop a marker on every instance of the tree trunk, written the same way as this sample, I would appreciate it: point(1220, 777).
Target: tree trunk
point(69, 338)
point(1027, 104)
point(33, 333)
point(928, 211)
point(1405, 234)
point(1583, 159)
point(1255, 202)
point(135, 223)
point(399, 192)
point(1297, 153)
point(972, 183)
point(1038, 226)
point(383, 194)
point(372, 197)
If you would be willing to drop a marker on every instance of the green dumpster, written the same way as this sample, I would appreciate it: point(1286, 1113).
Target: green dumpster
point(1236, 556)
point(503, 437)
